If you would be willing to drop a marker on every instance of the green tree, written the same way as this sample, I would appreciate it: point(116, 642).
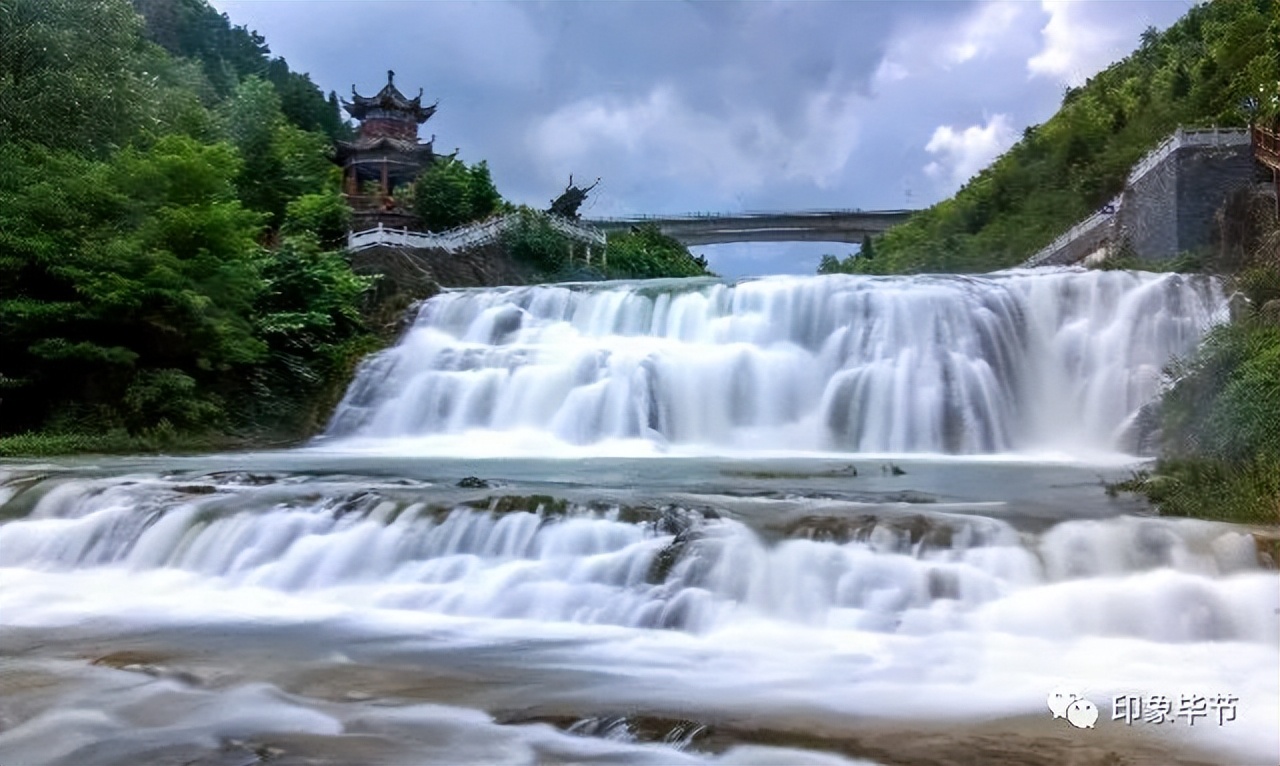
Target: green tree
point(645, 253)
point(1197, 72)
point(68, 73)
point(324, 215)
point(281, 161)
point(122, 277)
point(535, 242)
point(449, 194)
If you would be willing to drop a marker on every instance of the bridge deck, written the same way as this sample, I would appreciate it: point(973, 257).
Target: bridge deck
point(804, 226)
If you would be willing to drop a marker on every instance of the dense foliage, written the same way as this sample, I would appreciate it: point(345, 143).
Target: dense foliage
point(1200, 71)
point(645, 252)
point(162, 226)
point(1220, 455)
point(450, 194)
point(227, 55)
point(170, 225)
point(642, 253)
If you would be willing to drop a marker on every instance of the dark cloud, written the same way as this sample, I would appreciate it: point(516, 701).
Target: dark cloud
point(684, 106)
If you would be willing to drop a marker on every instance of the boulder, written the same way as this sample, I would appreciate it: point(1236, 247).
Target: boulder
point(1270, 312)
point(1238, 306)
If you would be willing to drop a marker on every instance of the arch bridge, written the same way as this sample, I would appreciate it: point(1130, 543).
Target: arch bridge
point(803, 226)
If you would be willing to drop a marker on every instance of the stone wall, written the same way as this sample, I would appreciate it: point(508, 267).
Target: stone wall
point(409, 275)
point(1148, 216)
point(1170, 203)
point(1207, 176)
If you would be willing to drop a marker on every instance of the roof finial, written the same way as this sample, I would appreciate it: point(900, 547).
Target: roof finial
point(391, 76)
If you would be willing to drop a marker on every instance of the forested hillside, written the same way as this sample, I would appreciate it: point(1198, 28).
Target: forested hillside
point(1200, 71)
point(170, 225)
point(159, 271)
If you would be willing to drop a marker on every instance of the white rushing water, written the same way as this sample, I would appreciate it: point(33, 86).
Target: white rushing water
point(849, 614)
point(355, 603)
point(1056, 362)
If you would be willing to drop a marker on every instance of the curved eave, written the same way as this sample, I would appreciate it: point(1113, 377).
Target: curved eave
point(347, 149)
point(413, 109)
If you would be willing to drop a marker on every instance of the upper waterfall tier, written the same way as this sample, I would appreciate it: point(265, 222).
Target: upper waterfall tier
point(1018, 361)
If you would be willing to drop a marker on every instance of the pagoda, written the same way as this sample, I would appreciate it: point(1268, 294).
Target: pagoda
point(385, 155)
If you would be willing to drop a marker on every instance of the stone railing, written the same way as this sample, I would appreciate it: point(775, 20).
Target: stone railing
point(1055, 251)
point(1103, 217)
point(465, 237)
point(1182, 137)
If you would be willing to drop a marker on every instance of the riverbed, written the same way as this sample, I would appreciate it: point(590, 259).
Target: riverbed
point(831, 520)
point(321, 607)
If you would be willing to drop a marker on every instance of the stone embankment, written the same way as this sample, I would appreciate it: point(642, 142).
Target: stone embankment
point(1169, 203)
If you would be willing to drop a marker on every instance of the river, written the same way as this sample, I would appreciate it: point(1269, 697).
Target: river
point(830, 520)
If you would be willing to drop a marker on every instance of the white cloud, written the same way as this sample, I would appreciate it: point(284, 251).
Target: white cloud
point(666, 135)
point(983, 31)
point(1081, 38)
point(962, 153)
point(888, 72)
point(941, 47)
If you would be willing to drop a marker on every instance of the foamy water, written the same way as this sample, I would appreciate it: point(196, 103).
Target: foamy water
point(850, 614)
point(1019, 361)
point(844, 521)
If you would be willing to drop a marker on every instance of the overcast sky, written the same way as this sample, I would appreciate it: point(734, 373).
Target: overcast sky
point(715, 106)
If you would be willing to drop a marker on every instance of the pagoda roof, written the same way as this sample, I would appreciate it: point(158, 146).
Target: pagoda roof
point(400, 145)
point(389, 99)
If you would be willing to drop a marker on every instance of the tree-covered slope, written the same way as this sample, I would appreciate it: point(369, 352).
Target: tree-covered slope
point(160, 265)
point(1198, 72)
point(170, 225)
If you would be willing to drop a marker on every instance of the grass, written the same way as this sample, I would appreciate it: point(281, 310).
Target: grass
point(120, 442)
point(1246, 493)
point(1125, 260)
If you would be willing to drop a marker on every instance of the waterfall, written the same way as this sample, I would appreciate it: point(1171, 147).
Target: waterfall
point(675, 568)
point(1049, 361)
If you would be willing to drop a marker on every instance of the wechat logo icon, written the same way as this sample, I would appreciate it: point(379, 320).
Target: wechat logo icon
point(1071, 705)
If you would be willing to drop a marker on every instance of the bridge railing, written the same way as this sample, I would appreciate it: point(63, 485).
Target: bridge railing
point(464, 237)
point(743, 215)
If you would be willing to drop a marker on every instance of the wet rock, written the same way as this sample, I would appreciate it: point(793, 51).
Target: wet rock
point(259, 753)
point(1143, 435)
point(831, 529)
point(520, 503)
point(473, 482)
point(914, 530)
point(910, 496)
point(849, 471)
point(196, 489)
point(668, 557)
point(1270, 312)
point(686, 526)
point(359, 503)
point(943, 584)
point(1238, 306)
point(506, 324)
point(243, 478)
point(147, 664)
point(1268, 544)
